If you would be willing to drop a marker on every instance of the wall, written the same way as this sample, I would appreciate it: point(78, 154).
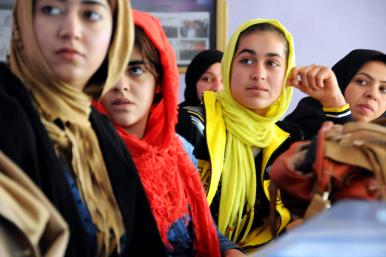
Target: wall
point(324, 30)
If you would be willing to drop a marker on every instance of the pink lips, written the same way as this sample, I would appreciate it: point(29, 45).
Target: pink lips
point(121, 104)
point(68, 53)
point(256, 89)
point(121, 101)
point(366, 108)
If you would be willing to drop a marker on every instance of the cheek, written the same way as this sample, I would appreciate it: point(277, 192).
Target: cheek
point(42, 35)
point(349, 94)
point(278, 84)
point(99, 41)
point(383, 105)
point(201, 86)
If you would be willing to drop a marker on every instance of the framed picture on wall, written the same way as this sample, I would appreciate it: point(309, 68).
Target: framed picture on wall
point(5, 32)
point(190, 25)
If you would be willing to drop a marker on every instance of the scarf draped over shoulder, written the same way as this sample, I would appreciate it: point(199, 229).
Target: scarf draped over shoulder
point(65, 110)
point(245, 130)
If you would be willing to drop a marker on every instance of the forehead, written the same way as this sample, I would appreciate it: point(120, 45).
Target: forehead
point(136, 54)
point(105, 2)
point(374, 67)
point(214, 68)
point(262, 41)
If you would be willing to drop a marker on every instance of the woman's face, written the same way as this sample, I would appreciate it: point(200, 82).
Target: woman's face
point(210, 80)
point(73, 36)
point(128, 102)
point(258, 70)
point(366, 92)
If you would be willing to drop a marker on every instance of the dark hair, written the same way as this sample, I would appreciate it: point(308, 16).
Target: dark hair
point(198, 66)
point(346, 68)
point(148, 53)
point(261, 27)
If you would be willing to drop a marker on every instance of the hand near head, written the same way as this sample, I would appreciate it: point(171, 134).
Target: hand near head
point(318, 82)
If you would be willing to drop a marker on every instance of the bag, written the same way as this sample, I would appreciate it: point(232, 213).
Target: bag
point(349, 162)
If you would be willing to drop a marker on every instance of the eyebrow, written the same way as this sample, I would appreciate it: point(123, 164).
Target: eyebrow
point(368, 76)
point(89, 2)
point(252, 52)
point(94, 2)
point(136, 62)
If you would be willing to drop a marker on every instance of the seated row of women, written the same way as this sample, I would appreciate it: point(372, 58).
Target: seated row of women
point(89, 115)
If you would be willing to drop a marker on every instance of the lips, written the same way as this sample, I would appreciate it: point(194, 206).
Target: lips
point(121, 101)
point(68, 53)
point(366, 108)
point(257, 89)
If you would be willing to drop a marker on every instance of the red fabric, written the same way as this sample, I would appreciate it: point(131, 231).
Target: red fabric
point(170, 179)
point(342, 180)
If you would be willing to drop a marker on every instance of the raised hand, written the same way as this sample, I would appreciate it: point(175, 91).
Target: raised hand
point(318, 82)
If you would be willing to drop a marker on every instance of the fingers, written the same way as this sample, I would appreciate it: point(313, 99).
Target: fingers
point(310, 78)
point(327, 125)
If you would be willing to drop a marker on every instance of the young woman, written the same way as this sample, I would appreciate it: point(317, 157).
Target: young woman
point(59, 51)
point(242, 134)
point(143, 108)
point(203, 74)
point(355, 89)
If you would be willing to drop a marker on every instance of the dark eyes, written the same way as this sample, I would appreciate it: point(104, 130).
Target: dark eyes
point(207, 79)
point(92, 15)
point(382, 89)
point(268, 63)
point(88, 14)
point(361, 82)
point(51, 10)
point(136, 70)
point(364, 82)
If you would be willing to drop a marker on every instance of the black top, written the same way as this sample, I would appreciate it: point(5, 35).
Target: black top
point(24, 139)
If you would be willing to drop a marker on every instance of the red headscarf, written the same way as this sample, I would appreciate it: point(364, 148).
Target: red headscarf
point(171, 181)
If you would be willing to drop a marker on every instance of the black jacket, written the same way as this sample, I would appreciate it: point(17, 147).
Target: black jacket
point(309, 116)
point(24, 139)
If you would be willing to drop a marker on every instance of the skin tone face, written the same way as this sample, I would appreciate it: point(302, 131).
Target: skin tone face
point(366, 93)
point(73, 36)
point(258, 70)
point(210, 80)
point(128, 102)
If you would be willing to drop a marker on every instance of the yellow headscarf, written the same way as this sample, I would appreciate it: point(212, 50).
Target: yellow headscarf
point(245, 129)
point(55, 100)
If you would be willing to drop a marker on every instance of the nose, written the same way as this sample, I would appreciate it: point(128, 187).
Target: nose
point(372, 92)
point(122, 86)
point(259, 72)
point(70, 27)
point(217, 84)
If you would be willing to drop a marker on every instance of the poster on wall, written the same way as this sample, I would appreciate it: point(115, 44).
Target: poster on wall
point(5, 32)
point(188, 33)
point(190, 25)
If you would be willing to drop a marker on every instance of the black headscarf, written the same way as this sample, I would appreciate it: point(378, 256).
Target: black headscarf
point(349, 65)
point(200, 63)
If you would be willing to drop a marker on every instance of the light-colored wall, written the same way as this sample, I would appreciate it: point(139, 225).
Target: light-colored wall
point(323, 30)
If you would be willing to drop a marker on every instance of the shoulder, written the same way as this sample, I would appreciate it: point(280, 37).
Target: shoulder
point(192, 112)
point(105, 131)
point(191, 123)
point(292, 128)
point(307, 107)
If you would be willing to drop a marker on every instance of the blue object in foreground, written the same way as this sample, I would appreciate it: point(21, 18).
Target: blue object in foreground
point(349, 229)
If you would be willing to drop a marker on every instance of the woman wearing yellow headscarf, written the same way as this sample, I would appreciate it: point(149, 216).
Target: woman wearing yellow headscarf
point(243, 134)
point(63, 53)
